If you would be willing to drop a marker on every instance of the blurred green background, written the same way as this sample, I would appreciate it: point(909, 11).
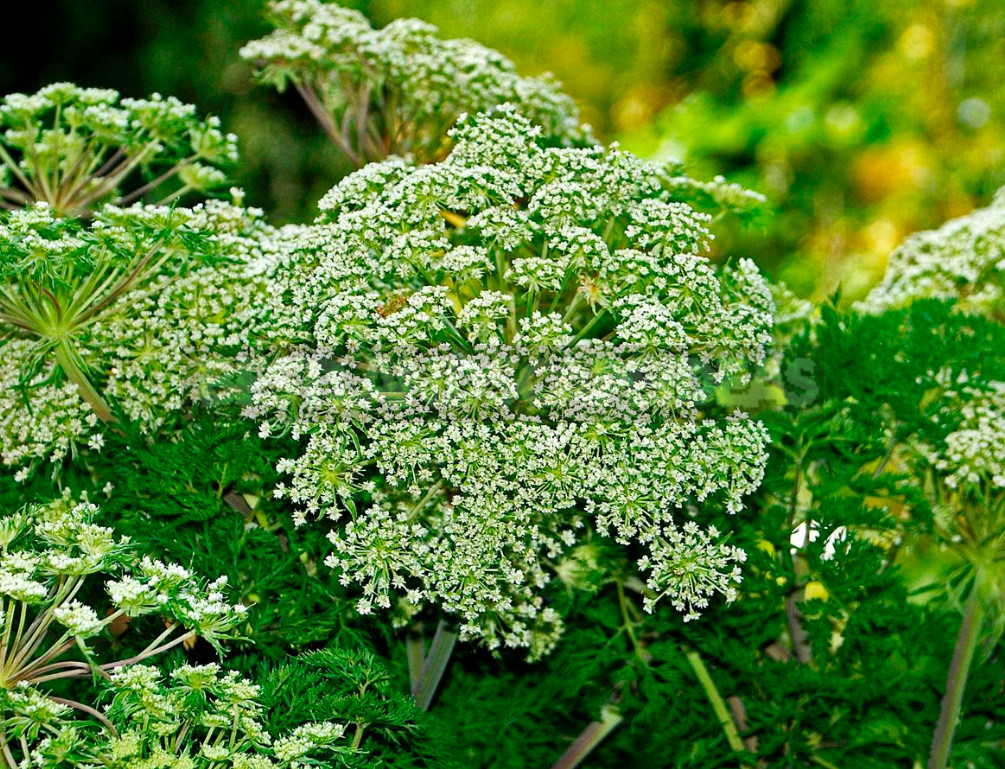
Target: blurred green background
point(860, 120)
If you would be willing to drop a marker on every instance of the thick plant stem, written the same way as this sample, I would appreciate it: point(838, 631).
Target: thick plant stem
point(357, 738)
point(718, 704)
point(434, 665)
point(589, 738)
point(415, 651)
point(67, 361)
point(959, 668)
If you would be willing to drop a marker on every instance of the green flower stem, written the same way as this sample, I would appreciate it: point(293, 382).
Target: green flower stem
point(136, 194)
point(110, 182)
point(588, 327)
point(15, 168)
point(891, 446)
point(28, 672)
point(179, 738)
point(40, 626)
point(67, 360)
point(72, 178)
point(38, 171)
point(434, 665)
point(16, 645)
point(589, 738)
point(822, 762)
point(718, 704)
point(644, 656)
point(357, 737)
point(168, 199)
point(8, 614)
point(109, 164)
point(76, 669)
point(796, 560)
point(19, 198)
point(8, 757)
point(11, 647)
point(739, 712)
point(963, 655)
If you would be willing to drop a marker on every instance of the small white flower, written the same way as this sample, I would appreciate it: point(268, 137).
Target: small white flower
point(79, 619)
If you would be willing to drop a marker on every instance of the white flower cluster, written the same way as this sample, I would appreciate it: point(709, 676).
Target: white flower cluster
point(974, 453)
point(718, 193)
point(964, 259)
point(191, 337)
point(185, 327)
point(962, 459)
point(396, 90)
point(499, 350)
point(49, 550)
point(199, 717)
point(78, 619)
point(38, 418)
point(75, 148)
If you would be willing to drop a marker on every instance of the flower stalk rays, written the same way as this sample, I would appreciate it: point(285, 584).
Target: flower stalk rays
point(77, 148)
point(49, 554)
point(396, 90)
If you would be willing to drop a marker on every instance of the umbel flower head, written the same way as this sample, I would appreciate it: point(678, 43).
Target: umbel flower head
point(198, 717)
point(76, 148)
point(964, 456)
point(396, 90)
point(497, 353)
point(963, 260)
point(925, 386)
point(53, 557)
point(146, 308)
